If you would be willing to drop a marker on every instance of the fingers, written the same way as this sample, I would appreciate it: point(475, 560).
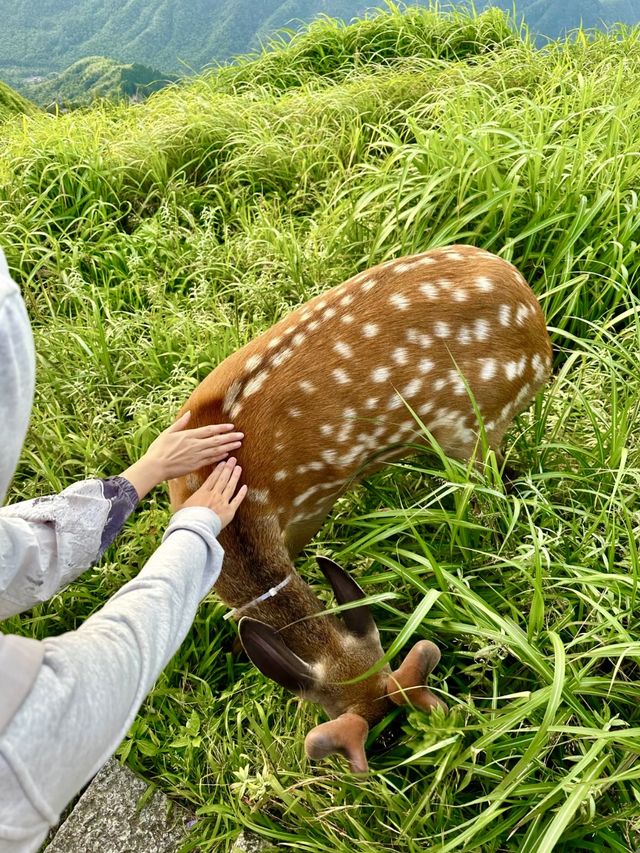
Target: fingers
point(181, 423)
point(232, 483)
point(242, 493)
point(212, 479)
point(215, 429)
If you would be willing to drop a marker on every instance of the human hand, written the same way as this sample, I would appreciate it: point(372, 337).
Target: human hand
point(217, 491)
point(178, 451)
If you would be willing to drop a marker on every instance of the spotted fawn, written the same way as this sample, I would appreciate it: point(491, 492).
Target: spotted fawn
point(323, 399)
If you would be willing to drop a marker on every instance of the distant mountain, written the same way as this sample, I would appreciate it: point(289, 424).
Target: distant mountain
point(96, 77)
point(185, 35)
point(12, 103)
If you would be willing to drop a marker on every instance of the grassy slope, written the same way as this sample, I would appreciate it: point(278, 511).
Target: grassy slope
point(11, 103)
point(176, 35)
point(153, 240)
point(97, 77)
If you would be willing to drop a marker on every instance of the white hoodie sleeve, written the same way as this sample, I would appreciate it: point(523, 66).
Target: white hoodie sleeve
point(93, 680)
point(45, 543)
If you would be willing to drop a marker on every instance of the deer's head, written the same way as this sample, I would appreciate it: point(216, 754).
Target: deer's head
point(328, 679)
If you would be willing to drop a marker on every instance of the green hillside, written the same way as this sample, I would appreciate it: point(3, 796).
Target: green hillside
point(11, 102)
point(151, 240)
point(182, 36)
point(97, 77)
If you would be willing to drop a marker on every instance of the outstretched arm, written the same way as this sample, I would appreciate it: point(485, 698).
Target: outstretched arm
point(45, 543)
point(93, 680)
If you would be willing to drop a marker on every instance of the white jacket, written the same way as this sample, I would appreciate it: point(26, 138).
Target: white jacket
point(67, 702)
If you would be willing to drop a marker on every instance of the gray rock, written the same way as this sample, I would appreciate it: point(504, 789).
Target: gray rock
point(249, 842)
point(106, 818)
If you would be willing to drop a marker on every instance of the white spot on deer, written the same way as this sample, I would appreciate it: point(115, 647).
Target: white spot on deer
point(315, 466)
point(258, 496)
point(329, 456)
point(523, 394)
point(412, 388)
point(341, 376)
point(506, 413)
point(281, 475)
point(232, 392)
point(304, 315)
point(429, 290)
point(193, 482)
point(460, 295)
point(349, 413)
point(399, 301)
point(488, 370)
point(400, 356)
point(425, 408)
point(481, 329)
point(347, 300)
point(347, 319)
point(538, 366)
point(235, 410)
point(313, 325)
point(370, 330)
point(441, 329)
point(300, 499)
point(521, 314)
point(372, 402)
point(402, 266)
point(425, 365)
point(427, 259)
point(255, 384)
point(329, 313)
point(326, 429)
point(281, 357)
point(321, 304)
point(298, 338)
point(412, 335)
point(367, 284)
point(306, 386)
point(380, 374)
point(464, 336)
point(252, 362)
point(457, 383)
point(343, 349)
point(294, 413)
point(445, 283)
point(454, 256)
point(273, 343)
point(511, 369)
point(521, 366)
point(394, 402)
point(504, 314)
point(484, 283)
point(439, 383)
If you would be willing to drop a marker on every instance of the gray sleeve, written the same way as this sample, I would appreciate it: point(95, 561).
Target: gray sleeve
point(45, 543)
point(94, 680)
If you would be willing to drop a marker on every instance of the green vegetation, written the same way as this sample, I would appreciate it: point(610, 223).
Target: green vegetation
point(186, 35)
point(97, 77)
point(11, 103)
point(152, 240)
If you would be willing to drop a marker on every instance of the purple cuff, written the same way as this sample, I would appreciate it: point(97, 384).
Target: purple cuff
point(124, 499)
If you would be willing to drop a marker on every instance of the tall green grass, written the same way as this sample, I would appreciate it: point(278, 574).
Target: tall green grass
point(153, 240)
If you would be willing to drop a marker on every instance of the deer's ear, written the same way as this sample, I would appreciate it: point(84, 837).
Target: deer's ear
point(268, 651)
point(406, 685)
point(357, 619)
point(345, 735)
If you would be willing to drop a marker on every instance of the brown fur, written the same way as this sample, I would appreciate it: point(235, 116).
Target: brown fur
point(292, 427)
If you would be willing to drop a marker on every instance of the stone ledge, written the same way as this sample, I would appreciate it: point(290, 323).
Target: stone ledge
point(106, 818)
